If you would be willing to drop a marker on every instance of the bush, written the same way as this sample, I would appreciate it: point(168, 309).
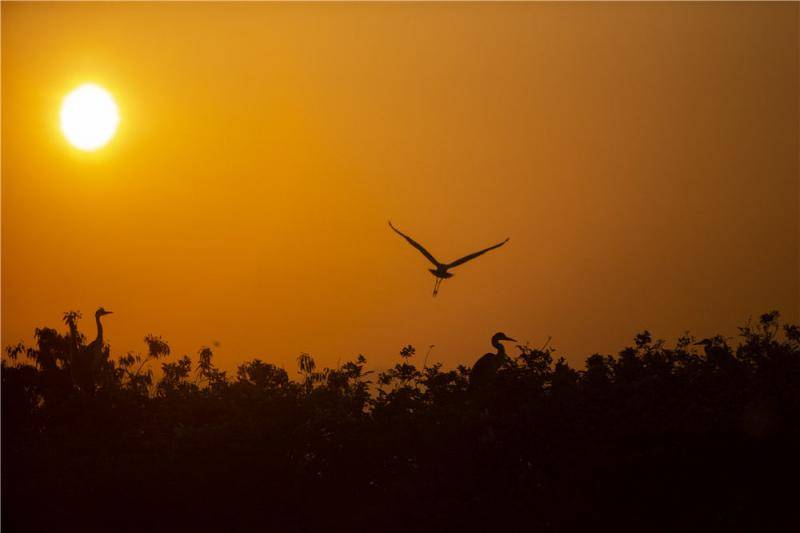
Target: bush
point(702, 435)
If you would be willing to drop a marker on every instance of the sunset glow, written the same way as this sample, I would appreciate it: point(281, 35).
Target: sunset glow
point(89, 117)
point(401, 267)
point(260, 167)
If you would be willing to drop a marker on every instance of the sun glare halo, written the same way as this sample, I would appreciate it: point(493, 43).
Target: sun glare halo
point(89, 117)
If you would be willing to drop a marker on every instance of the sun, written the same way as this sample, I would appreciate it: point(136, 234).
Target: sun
point(89, 117)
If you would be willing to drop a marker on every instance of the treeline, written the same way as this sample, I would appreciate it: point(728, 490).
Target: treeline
point(695, 436)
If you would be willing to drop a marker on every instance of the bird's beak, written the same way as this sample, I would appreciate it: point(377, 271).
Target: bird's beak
point(510, 339)
point(109, 312)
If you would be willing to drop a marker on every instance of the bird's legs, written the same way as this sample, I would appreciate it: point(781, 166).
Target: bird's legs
point(436, 286)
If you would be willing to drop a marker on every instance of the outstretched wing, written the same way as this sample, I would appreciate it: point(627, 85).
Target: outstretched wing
point(416, 245)
point(470, 257)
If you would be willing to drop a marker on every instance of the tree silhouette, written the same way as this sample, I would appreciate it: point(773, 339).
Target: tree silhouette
point(656, 437)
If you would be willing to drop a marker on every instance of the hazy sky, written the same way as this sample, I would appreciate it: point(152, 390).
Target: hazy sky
point(643, 158)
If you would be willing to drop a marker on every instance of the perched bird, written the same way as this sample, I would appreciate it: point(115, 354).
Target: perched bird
point(441, 271)
point(95, 348)
point(486, 367)
point(88, 366)
point(718, 353)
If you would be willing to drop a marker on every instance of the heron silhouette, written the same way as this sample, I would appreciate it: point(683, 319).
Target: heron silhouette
point(88, 360)
point(441, 271)
point(486, 367)
point(95, 348)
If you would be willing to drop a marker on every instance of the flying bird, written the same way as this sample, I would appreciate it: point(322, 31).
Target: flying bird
point(441, 270)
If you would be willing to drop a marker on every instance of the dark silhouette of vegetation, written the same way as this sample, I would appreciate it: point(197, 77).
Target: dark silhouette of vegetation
point(697, 436)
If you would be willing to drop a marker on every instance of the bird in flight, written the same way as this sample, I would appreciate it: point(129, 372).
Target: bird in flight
point(441, 270)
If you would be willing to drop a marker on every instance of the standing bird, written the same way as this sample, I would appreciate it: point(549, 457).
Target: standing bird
point(87, 366)
point(441, 270)
point(486, 367)
point(95, 348)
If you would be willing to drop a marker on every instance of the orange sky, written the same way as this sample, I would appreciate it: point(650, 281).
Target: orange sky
point(642, 158)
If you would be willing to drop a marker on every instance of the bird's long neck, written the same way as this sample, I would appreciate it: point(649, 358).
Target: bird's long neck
point(501, 350)
point(99, 330)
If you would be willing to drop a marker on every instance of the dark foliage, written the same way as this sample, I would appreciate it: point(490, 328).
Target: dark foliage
point(700, 436)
